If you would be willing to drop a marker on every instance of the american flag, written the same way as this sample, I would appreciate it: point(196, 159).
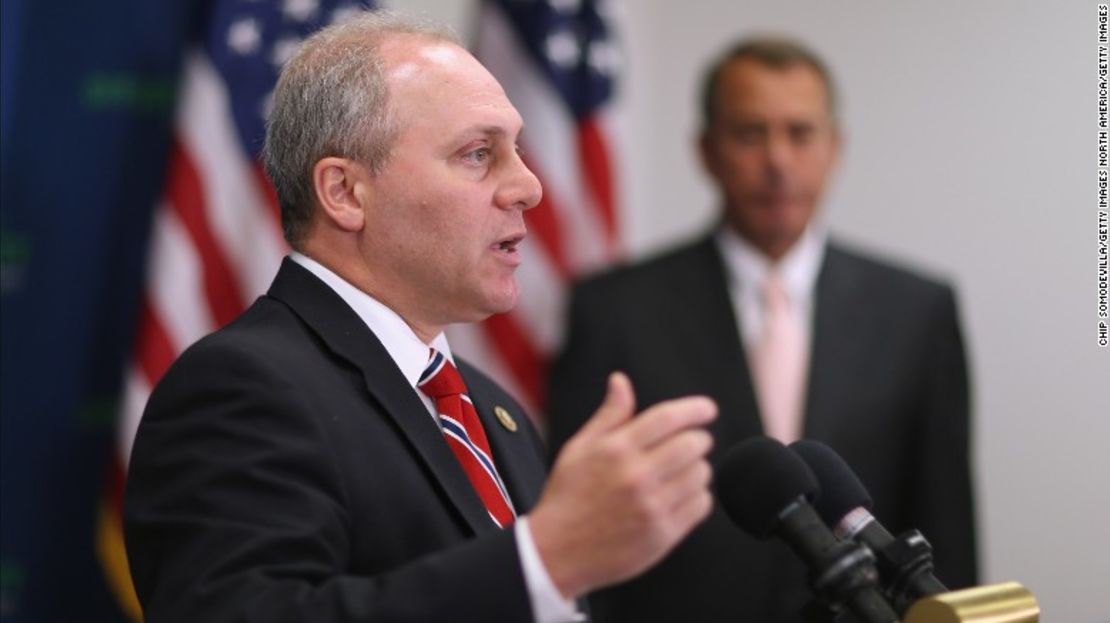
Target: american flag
point(557, 60)
point(216, 238)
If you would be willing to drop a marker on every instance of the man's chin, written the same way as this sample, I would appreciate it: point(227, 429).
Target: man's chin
point(497, 303)
point(505, 304)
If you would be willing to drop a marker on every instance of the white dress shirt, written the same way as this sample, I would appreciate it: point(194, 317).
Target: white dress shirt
point(411, 356)
point(747, 268)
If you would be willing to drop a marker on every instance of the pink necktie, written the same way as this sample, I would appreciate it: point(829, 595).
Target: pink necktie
point(463, 431)
point(779, 364)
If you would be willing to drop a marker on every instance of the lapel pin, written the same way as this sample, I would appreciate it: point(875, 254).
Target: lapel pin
point(506, 420)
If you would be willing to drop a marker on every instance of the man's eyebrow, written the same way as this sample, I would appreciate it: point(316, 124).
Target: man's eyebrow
point(494, 131)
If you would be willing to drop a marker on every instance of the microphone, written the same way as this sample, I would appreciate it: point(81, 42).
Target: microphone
point(766, 489)
point(905, 563)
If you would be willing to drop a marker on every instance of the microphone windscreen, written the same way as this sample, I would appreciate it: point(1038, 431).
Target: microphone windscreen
point(841, 490)
point(757, 479)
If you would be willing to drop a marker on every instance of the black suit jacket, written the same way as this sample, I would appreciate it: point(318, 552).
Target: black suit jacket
point(284, 470)
point(887, 389)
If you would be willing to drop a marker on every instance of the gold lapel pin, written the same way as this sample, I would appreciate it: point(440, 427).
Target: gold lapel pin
point(506, 420)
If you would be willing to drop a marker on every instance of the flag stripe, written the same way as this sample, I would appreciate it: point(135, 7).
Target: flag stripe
point(175, 282)
point(155, 350)
point(544, 224)
point(269, 195)
point(221, 290)
point(135, 393)
point(598, 174)
point(539, 309)
point(241, 219)
point(515, 347)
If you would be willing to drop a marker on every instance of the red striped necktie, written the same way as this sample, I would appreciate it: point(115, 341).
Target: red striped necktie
point(464, 434)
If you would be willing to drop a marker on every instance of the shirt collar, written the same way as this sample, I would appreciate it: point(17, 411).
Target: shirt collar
point(748, 266)
point(400, 341)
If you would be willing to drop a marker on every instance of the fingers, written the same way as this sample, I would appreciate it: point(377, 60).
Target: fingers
point(617, 407)
point(624, 490)
point(685, 484)
point(692, 510)
point(680, 452)
point(663, 420)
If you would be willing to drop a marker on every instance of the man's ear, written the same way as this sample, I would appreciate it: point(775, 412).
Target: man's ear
point(706, 153)
point(342, 191)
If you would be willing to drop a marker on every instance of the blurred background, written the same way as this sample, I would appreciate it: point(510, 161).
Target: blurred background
point(971, 151)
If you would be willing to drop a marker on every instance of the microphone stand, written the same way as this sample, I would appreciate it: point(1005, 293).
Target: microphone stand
point(906, 563)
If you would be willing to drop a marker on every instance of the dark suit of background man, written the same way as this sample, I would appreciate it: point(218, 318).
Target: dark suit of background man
point(880, 367)
point(291, 468)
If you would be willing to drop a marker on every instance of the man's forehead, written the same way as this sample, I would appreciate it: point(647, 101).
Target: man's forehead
point(411, 56)
point(754, 86)
point(429, 75)
point(423, 65)
point(799, 78)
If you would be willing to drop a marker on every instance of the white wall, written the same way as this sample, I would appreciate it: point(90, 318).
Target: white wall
point(971, 152)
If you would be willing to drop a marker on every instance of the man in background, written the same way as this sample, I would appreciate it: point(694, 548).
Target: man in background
point(324, 457)
point(793, 334)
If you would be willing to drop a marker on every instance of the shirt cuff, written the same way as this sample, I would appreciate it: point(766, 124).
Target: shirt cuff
point(548, 604)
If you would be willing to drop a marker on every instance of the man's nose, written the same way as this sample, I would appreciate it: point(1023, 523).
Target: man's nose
point(778, 152)
point(521, 189)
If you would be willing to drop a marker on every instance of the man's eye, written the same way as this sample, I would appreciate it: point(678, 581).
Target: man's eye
point(802, 134)
point(748, 134)
point(478, 156)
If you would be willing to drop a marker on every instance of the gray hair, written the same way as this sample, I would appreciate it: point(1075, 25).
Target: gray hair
point(771, 51)
point(332, 100)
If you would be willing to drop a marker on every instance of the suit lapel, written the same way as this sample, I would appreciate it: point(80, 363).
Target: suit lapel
point(839, 334)
point(347, 336)
point(706, 328)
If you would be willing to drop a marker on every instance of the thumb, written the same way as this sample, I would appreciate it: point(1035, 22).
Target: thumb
point(617, 407)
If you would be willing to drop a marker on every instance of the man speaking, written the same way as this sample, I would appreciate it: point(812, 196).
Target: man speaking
point(325, 457)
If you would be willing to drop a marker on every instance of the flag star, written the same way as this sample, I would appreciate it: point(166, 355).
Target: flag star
point(244, 36)
point(604, 57)
point(284, 49)
point(300, 10)
point(562, 48)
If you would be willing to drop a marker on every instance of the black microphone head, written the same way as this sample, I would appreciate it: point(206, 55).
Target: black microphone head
point(841, 490)
point(757, 479)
